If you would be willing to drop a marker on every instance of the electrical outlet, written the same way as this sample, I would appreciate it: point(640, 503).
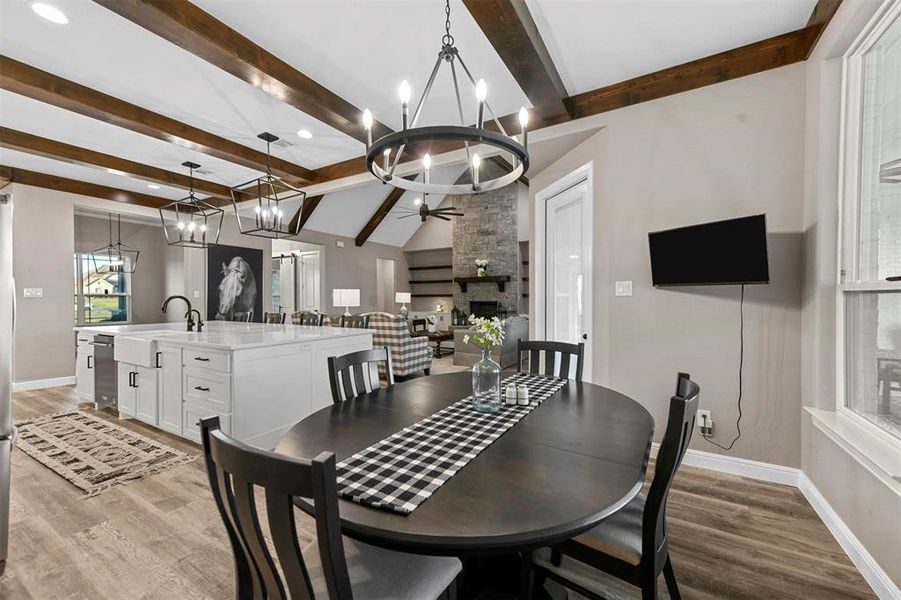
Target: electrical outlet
point(705, 422)
point(623, 288)
point(340, 243)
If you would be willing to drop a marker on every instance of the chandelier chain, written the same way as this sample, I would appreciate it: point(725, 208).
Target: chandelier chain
point(447, 39)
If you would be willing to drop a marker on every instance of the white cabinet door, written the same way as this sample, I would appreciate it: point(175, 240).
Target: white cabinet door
point(126, 395)
point(146, 382)
point(170, 390)
point(84, 371)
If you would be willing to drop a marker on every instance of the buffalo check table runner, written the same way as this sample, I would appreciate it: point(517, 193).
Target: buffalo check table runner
point(400, 472)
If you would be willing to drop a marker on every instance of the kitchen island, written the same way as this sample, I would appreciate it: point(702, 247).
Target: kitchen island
point(259, 379)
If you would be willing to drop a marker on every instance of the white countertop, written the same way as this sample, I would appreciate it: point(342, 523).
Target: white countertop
point(226, 335)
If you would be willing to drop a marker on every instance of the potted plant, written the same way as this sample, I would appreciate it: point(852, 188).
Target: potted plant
point(486, 334)
point(482, 266)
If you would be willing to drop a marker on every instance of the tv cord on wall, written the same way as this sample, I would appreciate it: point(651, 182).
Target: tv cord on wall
point(741, 362)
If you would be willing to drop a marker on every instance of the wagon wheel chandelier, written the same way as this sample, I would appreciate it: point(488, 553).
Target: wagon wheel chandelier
point(197, 223)
point(384, 154)
point(267, 197)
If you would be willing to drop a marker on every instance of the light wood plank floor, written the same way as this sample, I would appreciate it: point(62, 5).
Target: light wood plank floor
point(161, 537)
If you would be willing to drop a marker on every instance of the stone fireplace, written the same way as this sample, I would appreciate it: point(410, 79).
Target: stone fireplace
point(487, 230)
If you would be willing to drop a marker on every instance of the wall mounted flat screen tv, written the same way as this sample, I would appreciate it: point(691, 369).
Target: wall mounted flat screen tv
point(719, 253)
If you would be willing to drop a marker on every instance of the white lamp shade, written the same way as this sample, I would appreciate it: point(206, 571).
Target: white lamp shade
point(402, 297)
point(345, 297)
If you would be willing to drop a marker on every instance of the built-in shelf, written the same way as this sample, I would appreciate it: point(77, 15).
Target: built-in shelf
point(525, 294)
point(430, 267)
point(525, 263)
point(500, 280)
point(412, 281)
point(431, 295)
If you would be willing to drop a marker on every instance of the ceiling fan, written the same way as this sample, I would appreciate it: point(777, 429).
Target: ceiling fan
point(424, 212)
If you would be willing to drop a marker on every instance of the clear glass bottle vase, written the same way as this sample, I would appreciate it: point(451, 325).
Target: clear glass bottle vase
point(486, 384)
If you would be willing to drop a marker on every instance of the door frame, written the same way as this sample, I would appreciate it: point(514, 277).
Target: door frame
point(539, 235)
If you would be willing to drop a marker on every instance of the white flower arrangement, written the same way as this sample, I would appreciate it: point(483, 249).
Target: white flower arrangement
point(487, 333)
point(482, 263)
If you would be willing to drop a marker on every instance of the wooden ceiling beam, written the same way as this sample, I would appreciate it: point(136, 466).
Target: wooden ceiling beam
point(39, 146)
point(379, 216)
point(822, 13)
point(509, 27)
point(304, 213)
point(73, 186)
point(189, 27)
point(40, 85)
point(754, 58)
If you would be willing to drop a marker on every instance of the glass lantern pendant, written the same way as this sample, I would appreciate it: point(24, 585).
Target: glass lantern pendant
point(191, 222)
point(115, 257)
point(268, 206)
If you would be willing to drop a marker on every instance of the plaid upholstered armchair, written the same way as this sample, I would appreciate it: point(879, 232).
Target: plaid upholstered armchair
point(408, 354)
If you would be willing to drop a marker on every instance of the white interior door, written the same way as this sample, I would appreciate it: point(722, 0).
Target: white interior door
point(567, 264)
point(309, 280)
point(384, 268)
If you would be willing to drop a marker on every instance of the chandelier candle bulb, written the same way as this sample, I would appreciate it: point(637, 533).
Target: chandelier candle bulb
point(481, 95)
point(426, 164)
point(524, 123)
point(476, 163)
point(367, 125)
point(405, 93)
point(387, 154)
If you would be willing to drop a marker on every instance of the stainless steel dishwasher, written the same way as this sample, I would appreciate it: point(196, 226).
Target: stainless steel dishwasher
point(105, 379)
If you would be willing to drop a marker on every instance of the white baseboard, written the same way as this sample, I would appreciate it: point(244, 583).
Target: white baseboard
point(37, 384)
point(739, 466)
point(876, 577)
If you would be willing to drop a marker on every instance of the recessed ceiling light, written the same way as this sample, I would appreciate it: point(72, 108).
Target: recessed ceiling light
point(49, 12)
point(305, 134)
point(153, 186)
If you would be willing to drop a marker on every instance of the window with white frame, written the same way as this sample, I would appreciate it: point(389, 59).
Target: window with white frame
point(102, 291)
point(870, 280)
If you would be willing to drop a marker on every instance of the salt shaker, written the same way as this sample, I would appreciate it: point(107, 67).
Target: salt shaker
point(522, 393)
point(510, 395)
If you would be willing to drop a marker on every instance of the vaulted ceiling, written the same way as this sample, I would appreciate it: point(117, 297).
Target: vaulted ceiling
point(126, 91)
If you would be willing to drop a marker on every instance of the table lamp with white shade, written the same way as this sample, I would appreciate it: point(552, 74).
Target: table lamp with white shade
point(346, 298)
point(402, 298)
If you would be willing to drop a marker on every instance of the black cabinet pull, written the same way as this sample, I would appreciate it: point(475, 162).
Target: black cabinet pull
point(131, 379)
point(135, 378)
point(201, 388)
point(202, 358)
point(90, 366)
point(158, 355)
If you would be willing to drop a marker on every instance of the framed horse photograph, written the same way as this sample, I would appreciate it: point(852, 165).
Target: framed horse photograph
point(234, 282)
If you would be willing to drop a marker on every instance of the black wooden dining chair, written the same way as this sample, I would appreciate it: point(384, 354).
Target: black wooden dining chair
point(357, 373)
point(307, 318)
point(276, 318)
point(355, 321)
point(331, 567)
point(534, 349)
point(632, 543)
point(242, 317)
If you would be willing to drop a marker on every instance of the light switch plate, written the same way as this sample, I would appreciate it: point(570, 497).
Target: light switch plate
point(33, 292)
point(623, 288)
point(340, 244)
point(196, 294)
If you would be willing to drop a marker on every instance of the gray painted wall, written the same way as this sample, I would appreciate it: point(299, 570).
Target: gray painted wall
point(723, 151)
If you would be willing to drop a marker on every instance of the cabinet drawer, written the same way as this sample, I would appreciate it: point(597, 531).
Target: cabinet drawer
point(193, 413)
point(208, 388)
point(217, 361)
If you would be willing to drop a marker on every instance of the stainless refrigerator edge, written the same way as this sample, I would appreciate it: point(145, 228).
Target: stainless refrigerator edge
point(7, 329)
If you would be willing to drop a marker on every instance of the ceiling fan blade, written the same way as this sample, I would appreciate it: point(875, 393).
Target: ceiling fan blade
point(444, 209)
point(454, 214)
point(442, 217)
point(409, 215)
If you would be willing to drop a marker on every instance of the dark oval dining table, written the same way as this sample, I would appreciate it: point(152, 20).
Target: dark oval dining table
point(574, 460)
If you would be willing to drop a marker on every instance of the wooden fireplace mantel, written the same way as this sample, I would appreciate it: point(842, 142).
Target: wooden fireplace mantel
point(500, 280)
